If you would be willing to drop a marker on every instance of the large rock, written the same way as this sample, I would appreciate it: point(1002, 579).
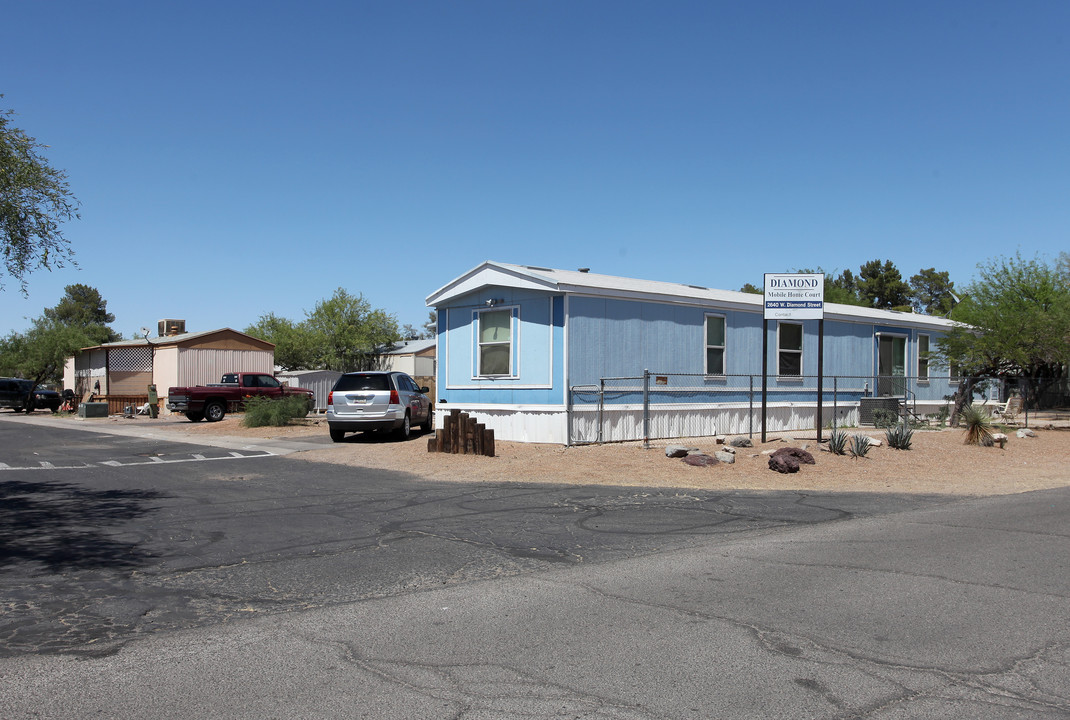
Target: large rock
point(999, 439)
point(801, 455)
point(700, 460)
point(725, 456)
point(678, 451)
point(788, 460)
point(1025, 432)
point(783, 463)
point(740, 442)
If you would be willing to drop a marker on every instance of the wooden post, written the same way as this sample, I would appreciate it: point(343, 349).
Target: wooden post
point(456, 444)
point(478, 437)
point(462, 435)
point(470, 435)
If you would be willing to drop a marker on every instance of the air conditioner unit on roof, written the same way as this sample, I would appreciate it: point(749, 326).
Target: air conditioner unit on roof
point(172, 327)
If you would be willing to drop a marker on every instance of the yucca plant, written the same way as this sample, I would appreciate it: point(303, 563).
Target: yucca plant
point(899, 437)
point(978, 425)
point(838, 442)
point(860, 445)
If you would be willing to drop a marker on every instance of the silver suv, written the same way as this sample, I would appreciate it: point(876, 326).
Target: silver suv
point(366, 401)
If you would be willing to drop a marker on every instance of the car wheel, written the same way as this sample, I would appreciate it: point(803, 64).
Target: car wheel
point(429, 424)
point(405, 431)
point(215, 411)
point(194, 416)
point(337, 435)
point(54, 407)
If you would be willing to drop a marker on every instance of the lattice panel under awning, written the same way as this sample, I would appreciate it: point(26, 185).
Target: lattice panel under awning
point(134, 359)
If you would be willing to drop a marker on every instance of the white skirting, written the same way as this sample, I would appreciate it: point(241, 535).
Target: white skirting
point(518, 423)
point(550, 423)
point(623, 423)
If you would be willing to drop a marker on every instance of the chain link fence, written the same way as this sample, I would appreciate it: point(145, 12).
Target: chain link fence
point(679, 405)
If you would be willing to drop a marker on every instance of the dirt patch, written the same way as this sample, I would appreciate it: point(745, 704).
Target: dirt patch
point(938, 463)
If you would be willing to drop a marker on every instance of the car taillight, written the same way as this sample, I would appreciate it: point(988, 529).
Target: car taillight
point(395, 399)
point(330, 398)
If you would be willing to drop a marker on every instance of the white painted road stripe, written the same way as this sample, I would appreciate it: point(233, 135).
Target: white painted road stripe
point(153, 461)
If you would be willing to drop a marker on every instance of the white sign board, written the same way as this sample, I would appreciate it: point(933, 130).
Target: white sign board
point(794, 296)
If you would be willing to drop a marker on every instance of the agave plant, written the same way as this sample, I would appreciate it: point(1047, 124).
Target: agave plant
point(978, 425)
point(899, 437)
point(838, 442)
point(860, 445)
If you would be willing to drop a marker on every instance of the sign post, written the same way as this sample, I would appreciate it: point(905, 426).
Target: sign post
point(793, 296)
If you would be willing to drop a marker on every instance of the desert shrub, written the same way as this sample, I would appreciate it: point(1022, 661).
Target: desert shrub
point(838, 442)
point(899, 437)
point(860, 445)
point(261, 411)
point(884, 418)
point(939, 419)
point(942, 414)
point(978, 424)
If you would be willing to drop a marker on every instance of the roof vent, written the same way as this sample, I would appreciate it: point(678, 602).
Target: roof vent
point(584, 270)
point(167, 328)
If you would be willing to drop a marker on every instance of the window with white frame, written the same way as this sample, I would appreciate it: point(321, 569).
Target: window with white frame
point(923, 357)
point(789, 349)
point(495, 342)
point(715, 344)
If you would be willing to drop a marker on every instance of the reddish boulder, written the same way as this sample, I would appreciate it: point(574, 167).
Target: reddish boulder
point(788, 460)
point(783, 463)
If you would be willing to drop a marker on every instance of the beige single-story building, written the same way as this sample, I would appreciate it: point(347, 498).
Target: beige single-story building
point(121, 372)
point(415, 357)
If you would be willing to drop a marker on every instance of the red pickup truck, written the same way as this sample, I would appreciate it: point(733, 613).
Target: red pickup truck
point(212, 402)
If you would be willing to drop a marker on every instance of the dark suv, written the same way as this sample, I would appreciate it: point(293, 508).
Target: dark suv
point(364, 401)
point(15, 394)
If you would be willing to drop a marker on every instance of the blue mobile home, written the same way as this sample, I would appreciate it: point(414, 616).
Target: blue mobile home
point(558, 356)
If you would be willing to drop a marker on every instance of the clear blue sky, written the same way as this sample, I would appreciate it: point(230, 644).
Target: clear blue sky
point(239, 158)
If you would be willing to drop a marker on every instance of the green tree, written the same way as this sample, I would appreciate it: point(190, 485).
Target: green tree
point(843, 289)
point(77, 321)
point(344, 333)
point(752, 289)
point(838, 288)
point(82, 306)
point(293, 346)
point(1016, 317)
point(930, 292)
point(40, 353)
point(35, 200)
point(880, 285)
point(348, 334)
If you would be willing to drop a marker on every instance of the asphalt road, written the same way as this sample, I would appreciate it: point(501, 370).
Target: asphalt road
point(141, 577)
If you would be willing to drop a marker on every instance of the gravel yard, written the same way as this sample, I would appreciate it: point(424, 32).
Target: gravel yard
point(938, 463)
